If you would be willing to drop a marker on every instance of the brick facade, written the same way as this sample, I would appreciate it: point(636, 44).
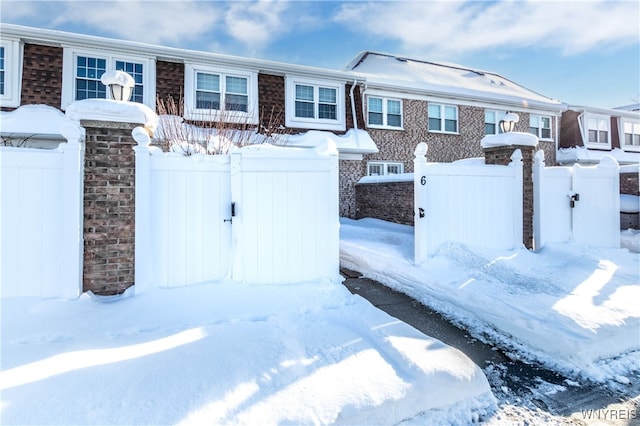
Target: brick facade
point(350, 172)
point(502, 156)
point(41, 75)
point(629, 183)
point(170, 81)
point(109, 207)
point(390, 201)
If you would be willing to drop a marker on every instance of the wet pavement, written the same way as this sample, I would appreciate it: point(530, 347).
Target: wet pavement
point(555, 398)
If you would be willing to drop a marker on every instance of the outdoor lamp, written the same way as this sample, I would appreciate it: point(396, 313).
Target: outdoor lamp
point(120, 84)
point(508, 123)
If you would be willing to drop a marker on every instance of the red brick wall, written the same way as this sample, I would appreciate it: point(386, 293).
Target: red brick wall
point(271, 99)
point(170, 81)
point(390, 201)
point(109, 207)
point(502, 156)
point(629, 183)
point(41, 76)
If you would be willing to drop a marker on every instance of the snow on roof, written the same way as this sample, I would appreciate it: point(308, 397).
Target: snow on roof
point(580, 154)
point(417, 76)
point(355, 141)
point(632, 107)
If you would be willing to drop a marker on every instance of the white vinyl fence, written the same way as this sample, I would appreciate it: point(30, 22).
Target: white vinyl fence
point(260, 215)
point(478, 205)
point(41, 222)
point(578, 203)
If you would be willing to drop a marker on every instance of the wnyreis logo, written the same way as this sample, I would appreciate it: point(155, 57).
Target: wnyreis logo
point(604, 414)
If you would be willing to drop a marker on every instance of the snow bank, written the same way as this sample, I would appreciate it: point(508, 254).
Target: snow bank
point(629, 203)
point(567, 306)
point(110, 110)
point(584, 155)
point(39, 120)
point(228, 353)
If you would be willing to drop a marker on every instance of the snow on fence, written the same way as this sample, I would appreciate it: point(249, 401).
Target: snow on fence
point(578, 203)
point(471, 204)
point(41, 225)
point(260, 215)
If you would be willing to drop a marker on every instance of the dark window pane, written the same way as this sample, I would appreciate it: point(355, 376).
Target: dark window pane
point(304, 110)
point(489, 129)
point(237, 103)
point(207, 100)
point(375, 118)
point(434, 124)
point(593, 136)
point(546, 133)
point(327, 111)
point(450, 125)
point(394, 120)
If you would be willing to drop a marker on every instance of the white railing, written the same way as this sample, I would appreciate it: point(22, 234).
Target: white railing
point(479, 205)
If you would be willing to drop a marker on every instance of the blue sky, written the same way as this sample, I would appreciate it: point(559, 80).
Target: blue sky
point(580, 52)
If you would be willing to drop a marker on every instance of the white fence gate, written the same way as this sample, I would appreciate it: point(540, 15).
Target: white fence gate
point(470, 204)
point(577, 203)
point(41, 223)
point(260, 215)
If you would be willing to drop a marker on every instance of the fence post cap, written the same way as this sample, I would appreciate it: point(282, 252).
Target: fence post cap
point(421, 150)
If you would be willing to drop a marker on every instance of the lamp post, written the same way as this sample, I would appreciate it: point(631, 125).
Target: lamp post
point(508, 123)
point(120, 84)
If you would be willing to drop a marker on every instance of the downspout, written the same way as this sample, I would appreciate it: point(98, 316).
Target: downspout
point(353, 110)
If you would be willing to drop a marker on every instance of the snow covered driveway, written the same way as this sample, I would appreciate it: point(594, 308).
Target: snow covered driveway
point(572, 308)
point(228, 353)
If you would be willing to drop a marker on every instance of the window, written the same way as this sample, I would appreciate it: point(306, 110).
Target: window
point(221, 94)
point(10, 73)
point(595, 131)
point(631, 135)
point(382, 112)
point(314, 104)
point(540, 126)
point(82, 70)
point(492, 121)
point(382, 168)
point(443, 118)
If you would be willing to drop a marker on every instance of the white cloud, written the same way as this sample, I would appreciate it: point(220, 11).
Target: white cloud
point(255, 24)
point(454, 27)
point(158, 22)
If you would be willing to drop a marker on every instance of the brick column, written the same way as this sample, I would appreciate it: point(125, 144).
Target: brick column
point(501, 155)
point(109, 207)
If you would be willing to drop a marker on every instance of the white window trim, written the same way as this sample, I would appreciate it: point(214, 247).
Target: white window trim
point(538, 134)
point(584, 128)
point(69, 72)
point(385, 167)
point(385, 113)
point(12, 73)
point(442, 118)
point(623, 145)
point(192, 113)
point(313, 123)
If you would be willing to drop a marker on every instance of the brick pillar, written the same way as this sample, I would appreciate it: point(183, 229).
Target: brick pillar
point(109, 207)
point(501, 155)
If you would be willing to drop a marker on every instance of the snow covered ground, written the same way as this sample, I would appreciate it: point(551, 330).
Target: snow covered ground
point(228, 353)
point(572, 308)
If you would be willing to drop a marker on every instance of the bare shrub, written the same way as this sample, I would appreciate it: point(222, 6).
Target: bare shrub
point(13, 140)
point(216, 132)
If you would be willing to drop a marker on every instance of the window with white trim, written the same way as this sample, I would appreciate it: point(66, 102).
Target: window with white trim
point(492, 120)
point(540, 125)
point(10, 73)
point(82, 70)
point(443, 118)
point(384, 112)
point(314, 104)
point(214, 93)
point(596, 131)
point(630, 140)
point(383, 168)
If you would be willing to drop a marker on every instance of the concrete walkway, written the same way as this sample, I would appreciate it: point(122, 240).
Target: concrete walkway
point(553, 397)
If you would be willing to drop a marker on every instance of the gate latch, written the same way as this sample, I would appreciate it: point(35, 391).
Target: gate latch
point(233, 213)
point(573, 197)
point(420, 212)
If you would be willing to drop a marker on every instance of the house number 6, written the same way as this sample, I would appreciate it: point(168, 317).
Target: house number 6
point(423, 180)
